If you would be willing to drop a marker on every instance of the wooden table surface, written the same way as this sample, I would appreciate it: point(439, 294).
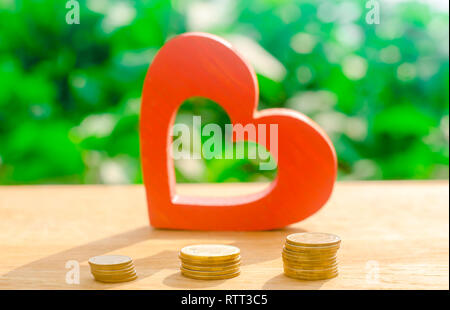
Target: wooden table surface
point(395, 235)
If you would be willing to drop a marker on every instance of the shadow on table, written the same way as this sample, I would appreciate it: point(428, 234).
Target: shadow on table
point(41, 273)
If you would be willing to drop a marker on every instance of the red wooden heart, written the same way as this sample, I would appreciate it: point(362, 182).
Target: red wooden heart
point(196, 64)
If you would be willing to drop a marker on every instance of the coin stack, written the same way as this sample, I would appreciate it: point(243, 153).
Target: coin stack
point(210, 261)
point(311, 256)
point(112, 268)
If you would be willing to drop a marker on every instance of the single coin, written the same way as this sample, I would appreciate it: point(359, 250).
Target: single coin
point(211, 268)
point(116, 261)
point(216, 277)
point(299, 265)
point(311, 249)
point(210, 262)
point(313, 239)
point(325, 260)
point(114, 278)
point(113, 271)
point(310, 271)
point(210, 252)
point(306, 257)
point(107, 280)
point(293, 255)
point(309, 278)
point(310, 274)
point(312, 264)
point(209, 273)
point(309, 260)
point(112, 268)
point(114, 274)
point(319, 253)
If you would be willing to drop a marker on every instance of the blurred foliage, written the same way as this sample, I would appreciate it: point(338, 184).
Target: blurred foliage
point(70, 94)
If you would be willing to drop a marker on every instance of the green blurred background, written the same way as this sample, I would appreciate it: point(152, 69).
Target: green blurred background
point(70, 94)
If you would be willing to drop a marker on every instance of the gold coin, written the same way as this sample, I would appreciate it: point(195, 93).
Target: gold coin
point(313, 239)
point(209, 273)
point(302, 256)
point(301, 265)
point(315, 249)
point(214, 277)
point(308, 259)
point(108, 280)
point(311, 272)
point(114, 278)
point(208, 262)
point(312, 264)
point(210, 252)
point(311, 250)
point(110, 261)
point(113, 270)
point(113, 273)
point(313, 254)
point(210, 268)
point(309, 278)
point(311, 260)
point(311, 275)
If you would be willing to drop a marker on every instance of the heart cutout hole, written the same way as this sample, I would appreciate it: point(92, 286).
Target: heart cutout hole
point(203, 152)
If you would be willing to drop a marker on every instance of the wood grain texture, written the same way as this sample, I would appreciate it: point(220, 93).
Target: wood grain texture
point(401, 226)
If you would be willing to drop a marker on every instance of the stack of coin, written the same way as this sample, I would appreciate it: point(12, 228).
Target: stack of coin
point(311, 256)
point(210, 261)
point(112, 268)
